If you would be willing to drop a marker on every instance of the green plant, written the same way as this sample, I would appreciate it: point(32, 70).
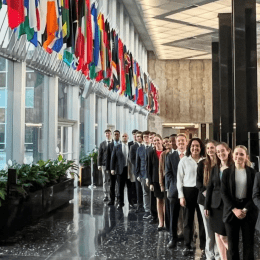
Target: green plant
point(3, 184)
point(86, 160)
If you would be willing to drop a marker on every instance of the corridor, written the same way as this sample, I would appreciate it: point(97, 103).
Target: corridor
point(87, 229)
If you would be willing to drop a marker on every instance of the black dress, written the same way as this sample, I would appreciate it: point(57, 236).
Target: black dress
point(214, 203)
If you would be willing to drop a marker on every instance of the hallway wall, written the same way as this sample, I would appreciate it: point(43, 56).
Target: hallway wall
point(185, 91)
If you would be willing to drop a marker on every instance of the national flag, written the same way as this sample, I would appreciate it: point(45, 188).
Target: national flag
point(65, 19)
point(15, 13)
point(42, 6)
point(52, 23)
point(72, 25)
point(24, 28)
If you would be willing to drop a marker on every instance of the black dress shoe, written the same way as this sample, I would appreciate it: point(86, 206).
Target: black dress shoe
point(105, 199)
point(153, 221)
point(172, 244)
point(160, 229)
point(111, 203)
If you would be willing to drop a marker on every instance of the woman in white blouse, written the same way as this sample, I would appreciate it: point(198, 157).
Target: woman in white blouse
point(239, 209)
point(188, 193)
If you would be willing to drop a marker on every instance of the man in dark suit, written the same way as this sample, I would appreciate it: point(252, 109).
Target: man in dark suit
point(134, 137)
point(171, 168)
point(133, 150)
point(141, 172)
point(108, 163)
point(119, 164)
point(101, 161)
point(153, 207)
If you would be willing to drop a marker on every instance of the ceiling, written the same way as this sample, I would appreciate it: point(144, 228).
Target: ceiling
point(179, 29)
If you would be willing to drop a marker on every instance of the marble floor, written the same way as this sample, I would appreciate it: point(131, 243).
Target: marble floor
point(87, 229)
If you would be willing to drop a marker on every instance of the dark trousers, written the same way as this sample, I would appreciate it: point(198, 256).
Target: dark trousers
point(247, 226)
point(112, 187)
point(167, 216)
point(191, 195)
point(174, 216)
point(153, 206)
point(122, 181)
point(139, 193)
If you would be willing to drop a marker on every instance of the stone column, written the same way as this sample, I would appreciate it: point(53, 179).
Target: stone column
point(53, 117)
point(19, 81)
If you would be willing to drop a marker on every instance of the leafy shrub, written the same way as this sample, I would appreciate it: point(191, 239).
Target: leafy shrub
point(86, 160)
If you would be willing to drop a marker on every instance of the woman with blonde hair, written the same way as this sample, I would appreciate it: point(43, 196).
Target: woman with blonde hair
point(213, 202)
point(239, 213)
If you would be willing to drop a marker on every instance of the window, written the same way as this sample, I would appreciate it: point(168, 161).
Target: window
point(3, 110)
point(62, 104)
point(34, 108)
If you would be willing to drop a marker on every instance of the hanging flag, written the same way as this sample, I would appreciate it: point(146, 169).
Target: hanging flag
point(15, 12)
point(1, 4)
point(24, 28)
point(32, 14)
point(57, 44)
point(65, 19)
point(72, 25)
point(42, 6)
point(52, 23)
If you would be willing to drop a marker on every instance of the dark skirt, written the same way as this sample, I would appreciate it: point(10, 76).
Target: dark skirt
point(157, 191)
point(215, 220)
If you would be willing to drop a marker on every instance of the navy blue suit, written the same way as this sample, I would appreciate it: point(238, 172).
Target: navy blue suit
point(171, 168)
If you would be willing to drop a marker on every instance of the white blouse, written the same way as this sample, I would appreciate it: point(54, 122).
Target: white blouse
point(241, 183)
point(186, 174)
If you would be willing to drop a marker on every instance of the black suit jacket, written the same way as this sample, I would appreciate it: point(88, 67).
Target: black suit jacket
point(118, 160)
point(228, 193)
point(256, 197)
point(213, 196)
point(102, 153)
point(200, 181)
point(131, 143)
point(132, 156)
point(171, 168)
point(153, 166)
point(110, 148)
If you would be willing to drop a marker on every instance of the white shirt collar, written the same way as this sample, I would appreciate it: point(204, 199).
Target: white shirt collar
point(200, 159)
point(179, 152)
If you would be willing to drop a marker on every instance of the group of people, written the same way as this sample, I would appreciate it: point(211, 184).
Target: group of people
point(170, 178)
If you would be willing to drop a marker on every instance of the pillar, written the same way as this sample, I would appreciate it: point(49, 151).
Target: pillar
point(215, 91)
point(19, 111)
point(225, 76)
point(244, 68)
point(89, 122)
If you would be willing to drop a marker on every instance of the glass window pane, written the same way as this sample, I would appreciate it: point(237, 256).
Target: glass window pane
point(2, 133)
point(34, 107)
point(2, 64)
point(2, 80)
point(62, 104)
point(3, 98)
point(2, 115)
point(59, 139)
point(29, 98)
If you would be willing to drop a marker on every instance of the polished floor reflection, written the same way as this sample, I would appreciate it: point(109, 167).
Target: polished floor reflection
point(86, 229)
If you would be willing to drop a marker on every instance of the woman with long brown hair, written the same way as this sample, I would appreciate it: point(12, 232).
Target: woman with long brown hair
point(239, 212)
point(213, 202)
point(203, 175)
point(153, 176)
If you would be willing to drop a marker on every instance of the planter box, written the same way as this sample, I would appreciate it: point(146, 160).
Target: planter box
point(18, 212)
point(55, 196)
point(86, 176)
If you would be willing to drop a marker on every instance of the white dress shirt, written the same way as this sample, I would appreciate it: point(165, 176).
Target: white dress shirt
point(241, 183)
point(186, 174)
point(125, 151)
